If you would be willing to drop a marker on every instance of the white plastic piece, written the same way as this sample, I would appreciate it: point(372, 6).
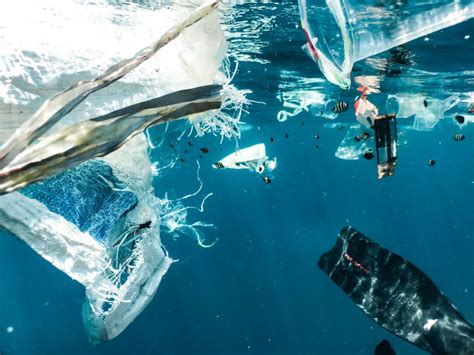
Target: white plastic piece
point(238, 159)
point(252, 158)
point(366, 112)
point(48, 47)
point(110, 306)
point(55, 239)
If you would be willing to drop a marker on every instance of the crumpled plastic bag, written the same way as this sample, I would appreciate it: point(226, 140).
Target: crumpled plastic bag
point(98, 222)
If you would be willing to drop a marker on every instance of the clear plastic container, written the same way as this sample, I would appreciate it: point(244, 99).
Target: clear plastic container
point(342, 32)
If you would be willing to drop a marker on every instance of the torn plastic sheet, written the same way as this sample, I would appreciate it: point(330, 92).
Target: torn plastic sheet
point(350, 148)
point(99, 221)
point(427, 111)
point(70, 231)
point(301, 95)
point(359, 140)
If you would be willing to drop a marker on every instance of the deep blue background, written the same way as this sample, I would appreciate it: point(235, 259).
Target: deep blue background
point(258, 290)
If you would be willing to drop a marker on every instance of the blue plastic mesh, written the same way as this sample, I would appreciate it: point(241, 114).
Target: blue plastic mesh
point(84, 197)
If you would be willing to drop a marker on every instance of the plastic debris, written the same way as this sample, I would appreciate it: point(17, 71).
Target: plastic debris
point(339, 34)
point(365, 112)
point(352, 148)
point(98, 220)
point(426, 115)
point(253, 158)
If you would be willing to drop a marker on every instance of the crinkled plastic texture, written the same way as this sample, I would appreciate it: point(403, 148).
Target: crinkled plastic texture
point(57, 43)
point(99, 222)
point(427, 111)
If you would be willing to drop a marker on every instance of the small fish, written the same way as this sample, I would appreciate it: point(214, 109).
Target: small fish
point(200, 156)
point(190, 144)
point(459, 137)
point(369, 155)
point(302, 123)
point(267, 180)
point(425, 103)
point(171, 145)
point(316, 136)
point(204, 150)
point(459, 119)
point(317, 146)
point(340, 107)
point(185, 151)
point(362, 137)
point(286, 135)
point(271, 139)
point(182, 160)
point(431, 162)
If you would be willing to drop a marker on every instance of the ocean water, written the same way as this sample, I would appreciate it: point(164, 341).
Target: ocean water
point(258, 289)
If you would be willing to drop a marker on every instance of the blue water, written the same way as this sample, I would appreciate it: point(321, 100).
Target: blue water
point(258, 289)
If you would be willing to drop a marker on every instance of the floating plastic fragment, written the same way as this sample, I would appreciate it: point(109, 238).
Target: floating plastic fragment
point(352, 147)
point(365, 111)
point(427, 111)
point(253, 158)
point(340, 33)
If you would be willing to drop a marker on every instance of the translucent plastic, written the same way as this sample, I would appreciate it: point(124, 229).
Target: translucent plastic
point(99, 222)
point(342, 32)
point(427, 112)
